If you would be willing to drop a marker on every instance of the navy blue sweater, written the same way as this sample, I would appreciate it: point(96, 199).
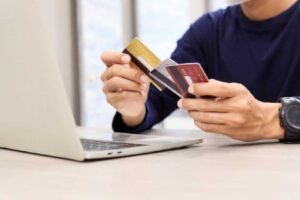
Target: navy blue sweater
point(264, 56)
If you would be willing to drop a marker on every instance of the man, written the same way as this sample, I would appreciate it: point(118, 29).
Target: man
point(250, 51)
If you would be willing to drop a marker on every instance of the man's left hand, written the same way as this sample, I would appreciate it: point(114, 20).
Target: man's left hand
point(234, 112)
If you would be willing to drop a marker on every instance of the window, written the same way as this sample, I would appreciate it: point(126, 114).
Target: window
point(100, 25)
point(158, 23)
point(161, 23)
point(217, 4)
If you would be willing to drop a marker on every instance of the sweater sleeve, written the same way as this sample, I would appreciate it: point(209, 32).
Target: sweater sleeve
point(160, 105)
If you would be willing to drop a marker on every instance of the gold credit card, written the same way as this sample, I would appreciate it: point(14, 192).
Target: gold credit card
point(144, 59)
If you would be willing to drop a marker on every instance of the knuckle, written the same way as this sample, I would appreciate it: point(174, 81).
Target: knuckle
point(197, 89)
point(185, 104)
point(203, 116)
point(113, 69)
point(222, 87)
point(104, 88)
point(109, 100)
point(102, 76)
point(198, 124)
point(214, 81)
point(238, 85)
point(118, 106)
point(234, 85)
point(191, 114)
point(203, 127)
point(109, 85)
point(241, 88)
point(136, 75)
point(244, 105)
point(240, 121)
point(124, 94)
point(136, 87)
point(114, 80)
point(103, 56)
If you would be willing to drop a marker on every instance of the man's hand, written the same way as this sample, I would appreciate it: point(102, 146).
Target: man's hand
point(235, 112)
point(125, 87)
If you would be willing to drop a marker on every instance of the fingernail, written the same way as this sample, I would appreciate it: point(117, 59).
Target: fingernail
point(125, 58)
point(191, 90)
point(144, 78)
point(144, 86)
point(179, 103)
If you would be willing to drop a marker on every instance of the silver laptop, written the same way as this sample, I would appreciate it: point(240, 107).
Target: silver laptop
point(35, 115)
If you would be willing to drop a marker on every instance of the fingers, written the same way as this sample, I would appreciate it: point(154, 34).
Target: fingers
point(209, 117)
point(203, 105)
point(217, 88)
point(110, 58)
point(124, 72)
point(116, 98)
point(116, 83)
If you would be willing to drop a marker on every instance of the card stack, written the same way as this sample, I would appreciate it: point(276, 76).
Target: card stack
point(166, 74)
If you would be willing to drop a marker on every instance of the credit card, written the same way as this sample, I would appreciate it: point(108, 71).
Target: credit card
point(161, 75)
point(143, 58)
point(185, 75)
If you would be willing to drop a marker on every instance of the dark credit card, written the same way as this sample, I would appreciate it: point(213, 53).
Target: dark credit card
point(185, 75)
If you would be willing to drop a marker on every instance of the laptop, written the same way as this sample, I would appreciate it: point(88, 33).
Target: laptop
point(35, 113)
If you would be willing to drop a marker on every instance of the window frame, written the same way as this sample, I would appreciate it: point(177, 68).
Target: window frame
point(129, 31)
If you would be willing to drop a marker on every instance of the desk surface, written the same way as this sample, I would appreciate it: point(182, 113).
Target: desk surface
point(219, 168)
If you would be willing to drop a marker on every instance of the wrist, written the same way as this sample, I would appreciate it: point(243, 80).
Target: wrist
point(132, 121)
point(272, 127)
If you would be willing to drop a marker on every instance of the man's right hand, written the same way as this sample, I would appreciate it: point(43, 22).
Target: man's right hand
point(125, 87)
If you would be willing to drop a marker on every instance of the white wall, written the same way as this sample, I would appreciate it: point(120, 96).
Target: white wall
point(59, 19)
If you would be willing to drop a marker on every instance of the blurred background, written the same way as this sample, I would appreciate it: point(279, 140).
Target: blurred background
point(82, 29)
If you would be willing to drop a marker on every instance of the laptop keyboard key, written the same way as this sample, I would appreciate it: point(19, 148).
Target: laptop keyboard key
point(99, 145)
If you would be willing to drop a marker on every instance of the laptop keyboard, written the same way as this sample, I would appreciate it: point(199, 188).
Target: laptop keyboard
point(99, 145)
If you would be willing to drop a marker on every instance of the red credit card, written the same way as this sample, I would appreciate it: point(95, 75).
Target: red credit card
point(185, 75)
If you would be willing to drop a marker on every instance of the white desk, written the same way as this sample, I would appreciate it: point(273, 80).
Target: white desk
point(220, 168)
